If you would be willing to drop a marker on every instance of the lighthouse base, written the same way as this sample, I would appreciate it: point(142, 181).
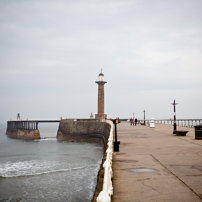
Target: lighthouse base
point(100, 116)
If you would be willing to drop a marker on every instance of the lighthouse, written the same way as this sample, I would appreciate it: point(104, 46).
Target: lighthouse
point(101, 83)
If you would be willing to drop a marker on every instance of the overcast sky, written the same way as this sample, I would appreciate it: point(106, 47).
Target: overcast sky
point(51, 53)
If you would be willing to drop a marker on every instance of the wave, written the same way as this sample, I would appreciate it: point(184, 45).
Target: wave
point(47, 172)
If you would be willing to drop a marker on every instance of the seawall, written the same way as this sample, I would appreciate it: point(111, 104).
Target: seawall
point(23, 133)
point(23, 129)
point(84, 130)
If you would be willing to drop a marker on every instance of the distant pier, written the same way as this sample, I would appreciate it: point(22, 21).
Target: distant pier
point(27, 124)
point(25, 129)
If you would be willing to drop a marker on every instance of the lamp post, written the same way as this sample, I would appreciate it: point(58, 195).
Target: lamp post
point(144, 116)
point(133, 116)
point(116, 143)
point(174, 124)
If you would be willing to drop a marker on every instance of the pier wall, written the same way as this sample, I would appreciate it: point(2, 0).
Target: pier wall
point(25, 129)
point(69, 129)
point(84, 130)
point(23, 133)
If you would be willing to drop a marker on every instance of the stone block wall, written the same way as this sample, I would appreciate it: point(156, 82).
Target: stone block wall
point(83, 130)
point(23, 133)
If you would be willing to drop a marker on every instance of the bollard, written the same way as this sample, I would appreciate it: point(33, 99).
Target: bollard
point(116, 146)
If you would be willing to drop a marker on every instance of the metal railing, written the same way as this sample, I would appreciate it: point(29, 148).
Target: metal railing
point(27, 124)
point(107, 190)
point(180, 122)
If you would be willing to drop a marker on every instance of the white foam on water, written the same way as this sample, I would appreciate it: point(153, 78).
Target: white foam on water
point(46, 139)
point(33, 168)
point(20, 168)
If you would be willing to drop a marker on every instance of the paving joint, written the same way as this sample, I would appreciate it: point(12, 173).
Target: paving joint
point(175, 176)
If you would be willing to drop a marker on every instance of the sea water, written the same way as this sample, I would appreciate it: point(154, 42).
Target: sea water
point(47, 169)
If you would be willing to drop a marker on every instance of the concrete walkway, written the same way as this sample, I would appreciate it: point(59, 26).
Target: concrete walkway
point(153, 165)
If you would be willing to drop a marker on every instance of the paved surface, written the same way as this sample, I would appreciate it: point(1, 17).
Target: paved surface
point(153, 165)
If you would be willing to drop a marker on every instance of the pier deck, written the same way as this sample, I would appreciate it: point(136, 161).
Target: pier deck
point(153, 165)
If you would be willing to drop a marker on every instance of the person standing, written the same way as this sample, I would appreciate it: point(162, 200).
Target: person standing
point(135, 121)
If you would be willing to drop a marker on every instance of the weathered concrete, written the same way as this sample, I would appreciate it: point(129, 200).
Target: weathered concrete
point(23, 133)
point(175, 161)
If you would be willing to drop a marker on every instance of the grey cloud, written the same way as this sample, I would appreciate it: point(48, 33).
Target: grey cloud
point(51, 53)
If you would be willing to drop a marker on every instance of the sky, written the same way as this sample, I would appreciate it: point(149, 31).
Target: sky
point(51, 52)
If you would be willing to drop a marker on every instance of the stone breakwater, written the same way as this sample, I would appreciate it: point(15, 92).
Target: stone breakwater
point(84, 130)
point(23, 133)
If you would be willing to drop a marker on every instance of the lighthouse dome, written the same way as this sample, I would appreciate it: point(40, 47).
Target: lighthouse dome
point(101, 76)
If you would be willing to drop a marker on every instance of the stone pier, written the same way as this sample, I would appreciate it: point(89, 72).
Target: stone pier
point(155, 165)
point(25, 129)
point(83, 130)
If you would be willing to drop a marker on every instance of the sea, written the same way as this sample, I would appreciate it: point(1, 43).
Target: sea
point(47, 169)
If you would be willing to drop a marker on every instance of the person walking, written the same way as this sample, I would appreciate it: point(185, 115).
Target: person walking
point(131, 121)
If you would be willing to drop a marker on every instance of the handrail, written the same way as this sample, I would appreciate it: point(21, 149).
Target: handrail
point(180, 122)
point(107, 190)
